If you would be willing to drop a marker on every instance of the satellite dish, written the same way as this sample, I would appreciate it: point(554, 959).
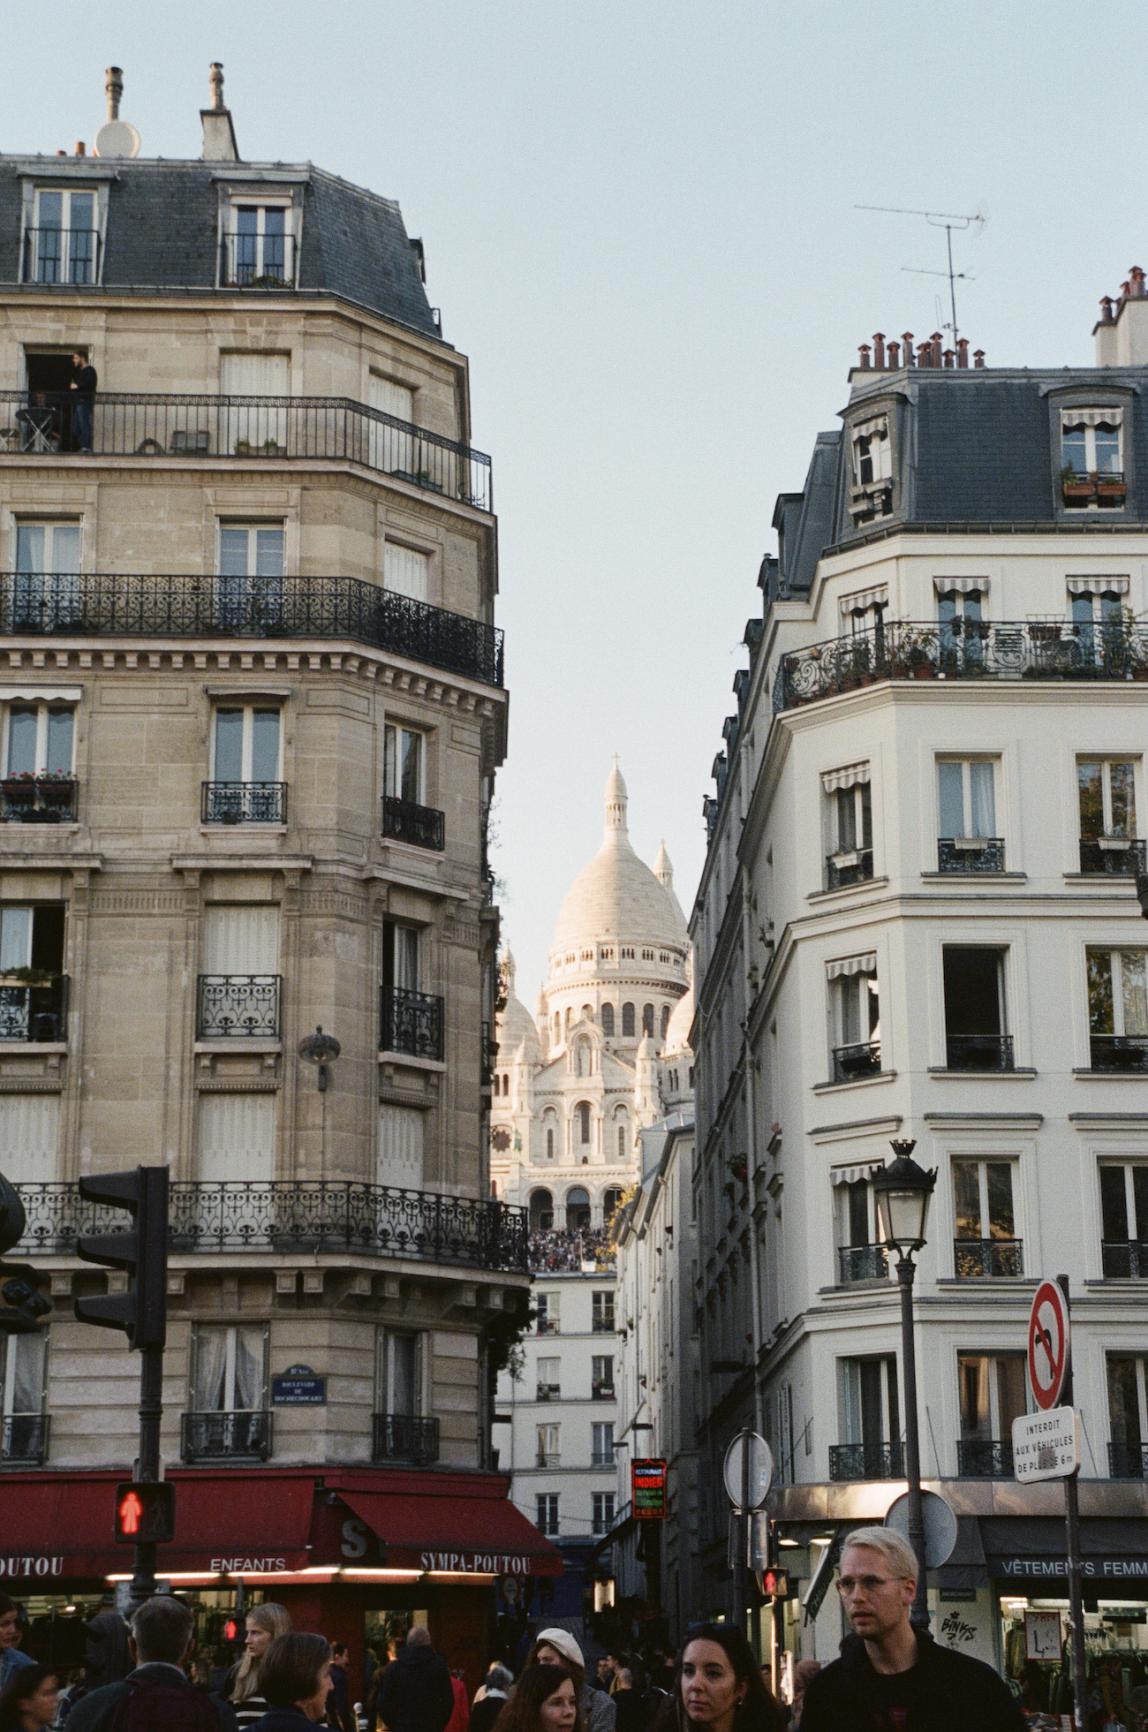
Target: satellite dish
point(117, 138)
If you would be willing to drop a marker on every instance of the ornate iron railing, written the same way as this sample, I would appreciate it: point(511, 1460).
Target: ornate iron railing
point(61, 256)
point(410, 1022)
point(1124, 860)
point(863, 1058)
point(290, 1216)
point(1128, 1460)
point(244, 803)
point(1118, 1052)
point(105, 604)
point(866, 1461)
point(600, 1391)
point(1124, 1259)
point(979, 1052)
point(979, 854)
point(24, 1439)
point(38, 800)
point(263, 429)
point(252, 261)
point(927, 649)
point(244, 1006)
point(841, 872)
point(34, 1012)
point(405, 821)
point(984, 1458)
point(862, 1263)
point(398, 1437)
point(975, 1259)
point(227, 1436)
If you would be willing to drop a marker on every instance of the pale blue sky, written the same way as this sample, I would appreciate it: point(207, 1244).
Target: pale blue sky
point(639, 224)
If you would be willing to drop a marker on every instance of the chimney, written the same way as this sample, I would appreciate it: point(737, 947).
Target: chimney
point(1137, 278)
point(894, 352)
point(907, 339)
point(81, 148)
point(978, 357)
point(114, 89)
point(1106, 309)
point(879, 350)
point(935, 342)
point(925, 353)
point(962, 351)
point(864, 362)
point(949, 357)
point(218, 133)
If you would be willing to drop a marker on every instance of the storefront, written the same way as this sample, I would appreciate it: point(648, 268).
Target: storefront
point(357, 1553)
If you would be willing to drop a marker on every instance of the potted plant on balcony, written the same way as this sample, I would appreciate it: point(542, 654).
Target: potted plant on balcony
point(55, 787)
point(1076, 488)
point(27, 976)
point(1111, 487)
point(19, 790)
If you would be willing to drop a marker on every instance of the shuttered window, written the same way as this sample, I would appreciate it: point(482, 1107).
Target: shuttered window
point(243, 939)
point(236, 1136)
point(405, 571)
point(29, 1137)
point(400, 1147)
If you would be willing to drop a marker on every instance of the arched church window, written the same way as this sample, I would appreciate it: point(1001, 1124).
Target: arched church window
point(549, 1142)
point(587, 1013)
point(610, 1201)
point(577, 1209)
point(665, 1019)
point(647, 1019)
point(497, 1083)
point(607, 1014)
point(541, 1211)
point(621, 1142)
point(582, 1111)
point(627, 1019)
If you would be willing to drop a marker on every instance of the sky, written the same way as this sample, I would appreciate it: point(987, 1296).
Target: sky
point(641, 225)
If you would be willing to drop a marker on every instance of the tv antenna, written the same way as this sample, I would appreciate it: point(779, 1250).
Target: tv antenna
point(938, 219)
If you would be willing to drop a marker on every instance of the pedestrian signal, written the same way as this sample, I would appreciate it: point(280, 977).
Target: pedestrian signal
point(145, 1512)
point(774, 1584)
point(231, 1630)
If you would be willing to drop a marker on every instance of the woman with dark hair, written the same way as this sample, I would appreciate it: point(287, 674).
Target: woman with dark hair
point(543, 1701)
point(295, 1677)
point(29, 1699)
point(557, 1647)
point(717, 1686)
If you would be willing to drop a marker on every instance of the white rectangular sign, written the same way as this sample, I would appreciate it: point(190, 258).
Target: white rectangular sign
point(1045, 1445)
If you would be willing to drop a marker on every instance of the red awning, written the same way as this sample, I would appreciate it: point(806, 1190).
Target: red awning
point(466, 1533)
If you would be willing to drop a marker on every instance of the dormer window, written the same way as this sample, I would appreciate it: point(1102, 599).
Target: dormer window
point(258, 250)
point(871, 494)
point(62, 245)
point(1092, 463)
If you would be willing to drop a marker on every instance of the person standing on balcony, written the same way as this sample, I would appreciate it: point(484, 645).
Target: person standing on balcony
point(84, 385)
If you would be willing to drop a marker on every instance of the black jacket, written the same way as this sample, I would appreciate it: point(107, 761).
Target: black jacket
point(943, 1692)
point(415, 1694)
point(96, 1712)
point(283, 1720)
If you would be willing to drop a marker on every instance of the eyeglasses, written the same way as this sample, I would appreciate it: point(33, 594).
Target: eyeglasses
point(847, 1585)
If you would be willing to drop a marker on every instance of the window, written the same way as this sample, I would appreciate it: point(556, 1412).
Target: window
point(611, 1200)
point(1106, 792)
point(546, 1514)
point(400, 956)
point(33, 990)
point(1128, 1416)
point(38, 784)
point(549, 1379)
point(23, 1429)
point(602, 1511)
point(647, 1019)
point(404, 758)
point(406, 571)
point(401, 1146)
point(870, 1446)
point(975, 1037)
point(235, 1135)
point(239, 973)
point(627, 1020)
point(848, 816)
point(246, 785)
point(664, 1021)
point(859, 1257)
point(392, 447)
point(1124, 1219)
point(993, 1392)
point(546, 1313)
point(258, 249)
point(871, 494)
point(228, 1414)
point(602, 1376)
point(254, 422)
point(548, 1452)
point(986, 1238)
point(855, 1023)
point(46, 587)
point(29, 1136)
point(63, 245)
point(1117, 1010)
point(1098, 627)
point(251, 568)
point(602, 1443)
point(623, 1140)
point(1092, 460)
point(577, 1210)
point(966, 816)
point(582, 1115)
point(399, 1373)
point(602, 1313)
point(607, 1015)
point(541, 1211)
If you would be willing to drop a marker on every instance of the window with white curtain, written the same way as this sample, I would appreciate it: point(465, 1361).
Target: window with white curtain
point(406, 571)
point(236, 1136)
point(404, 763)
point(240, 938)
point(38, 736)
point(399, 1372)
point(966, 802)
point(401, 1146)
point(391, 448)
point(29, 1137)
point(854, 1017)
point(229, 1368)
point(257, 426)
point(247, 744)
point(23, 1363)
point(45, 588)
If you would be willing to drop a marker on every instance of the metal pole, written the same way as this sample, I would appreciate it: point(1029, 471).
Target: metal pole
point(741, 1571)
point(919, 1616)
point(1072, 1521)
point(147, 1467)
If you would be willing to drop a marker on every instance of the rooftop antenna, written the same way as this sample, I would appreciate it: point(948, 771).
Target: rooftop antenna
point(938, 219)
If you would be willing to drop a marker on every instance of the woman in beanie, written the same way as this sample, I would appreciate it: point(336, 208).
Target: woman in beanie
point(557, 1647)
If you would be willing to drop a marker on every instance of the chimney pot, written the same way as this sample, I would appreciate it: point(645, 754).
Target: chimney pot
point(114, 89)
point(907, 339)
point(61, 153)
point(949, 357)
point(1125, 289)
point(81, 147)
point(1106, 309)
point(1137, 276)
point(978, 357)
point(924, 353)
point(879, 349)
point(894, 352)
point(962, 351)
point(864, 353)
point(215, 83)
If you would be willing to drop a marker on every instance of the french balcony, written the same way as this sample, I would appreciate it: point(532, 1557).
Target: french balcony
point(979, 1052)
point(1112, 856)
point(862, 1263)
point(1124, 1259)
point(244, 1436)
point(546, 1326)
point(861, 1059)
point(410, 1022)
point(1080, 489)
point(984, 1458)
point(983, 650)
point(402, 1439)
point(244, 803)
point(103, 604)
point(250, 261)
point(61, 256)
point(24, 1439)
point(855, 1461)
point(600, 1391)
point(848, 866)
point(548, 1458)
point(988, 1259)
point(970, 854)
point(405, 821)
point(288, 1217)
point(547, 1391)
point(250, 429)
point(1119, 1052)
point(238, 1007)
point(1128, 1460)
point(602, 1323)
point(602, 1458)
point(44, 799)
point(33, 1009)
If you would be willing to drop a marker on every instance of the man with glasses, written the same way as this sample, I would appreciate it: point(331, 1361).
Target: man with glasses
point(890, 1677)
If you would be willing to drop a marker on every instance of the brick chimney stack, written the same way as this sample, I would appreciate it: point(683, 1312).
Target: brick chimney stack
point(218, 132)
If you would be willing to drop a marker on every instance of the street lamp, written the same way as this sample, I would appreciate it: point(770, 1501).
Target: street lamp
point(902, 1192)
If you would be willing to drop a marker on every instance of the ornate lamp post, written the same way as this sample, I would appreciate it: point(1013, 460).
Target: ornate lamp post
point(902, 1192)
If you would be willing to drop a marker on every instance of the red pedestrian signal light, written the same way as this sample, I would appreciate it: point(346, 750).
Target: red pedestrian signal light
point(774, 1584)
point(145, 1512)
point(231, 1630)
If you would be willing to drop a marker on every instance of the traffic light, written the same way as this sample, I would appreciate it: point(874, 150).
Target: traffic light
point(23, 1308)
point(231, 1630)
point(145, 1512)
point(774, 1583)
point(141, 1312)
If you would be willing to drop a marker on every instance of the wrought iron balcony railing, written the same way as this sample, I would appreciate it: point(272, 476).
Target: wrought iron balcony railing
point(600, 1391)
point(38, 799)
point(1128, 1460)
point(61, 256)
point(979, 1052)
point(1113, 856)
point(227, 1436)
point(862, 1263)
point(853, 866)
point(242, 1006)
point(998, 1259)
point(861, 1059)
point(410, 1022)
point(400, 1438)
point(31, 1012)
point(1118, 1052)
point(546, 1325)
point(24, 1439)
point(291, 1216)
point(264, 429)
point(984, 650)
point(547, 1458)
point(602, 1323)
point(866, 1461)
point(547, 1391)
point(252, 261)
point(1124, 1259)
point(63, 604)
point(405, 821)
point(970, 854)
point(244, 803)
point(984, 1458)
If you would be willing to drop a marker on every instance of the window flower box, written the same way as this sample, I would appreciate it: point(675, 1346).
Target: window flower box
point(19, 790)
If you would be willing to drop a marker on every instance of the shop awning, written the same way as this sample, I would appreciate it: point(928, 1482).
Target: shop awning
point(1032, 1549)
point(441, 1530)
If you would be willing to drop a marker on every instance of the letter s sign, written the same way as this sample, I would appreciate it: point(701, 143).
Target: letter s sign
point(354, 1539)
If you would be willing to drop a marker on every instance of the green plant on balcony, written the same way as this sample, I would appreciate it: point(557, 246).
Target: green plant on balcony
point(26, 976)
point(1077, 487)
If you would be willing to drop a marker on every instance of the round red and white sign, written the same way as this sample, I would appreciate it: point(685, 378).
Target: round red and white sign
point(1047, 1344)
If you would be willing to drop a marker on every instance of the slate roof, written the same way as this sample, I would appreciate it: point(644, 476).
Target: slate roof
point(163, 226)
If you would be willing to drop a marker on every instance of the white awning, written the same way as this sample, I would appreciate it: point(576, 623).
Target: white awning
point(961, 585)
point(871, 424)
point(851, 776)
point(850, 1175)
point(41, 694)
point(1098, 586)
point(1111, 416)
point(866, 964)
point(863, 599)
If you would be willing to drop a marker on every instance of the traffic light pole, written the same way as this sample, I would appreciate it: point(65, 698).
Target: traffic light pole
point(148, 1465)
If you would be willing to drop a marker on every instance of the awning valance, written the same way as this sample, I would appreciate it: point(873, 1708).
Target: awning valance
point(1098, 586)
point(849, 965)
point(961, 585)
point(1112, 415)
point(849, 776)
point(32, 694)
point(878, 424)
point(851, 1175)
point(863, 599)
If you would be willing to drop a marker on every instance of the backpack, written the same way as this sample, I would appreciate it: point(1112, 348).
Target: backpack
point(147, 1707)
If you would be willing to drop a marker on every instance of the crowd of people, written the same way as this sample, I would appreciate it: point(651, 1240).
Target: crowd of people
point(557, 1250)
point(889, 1677)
